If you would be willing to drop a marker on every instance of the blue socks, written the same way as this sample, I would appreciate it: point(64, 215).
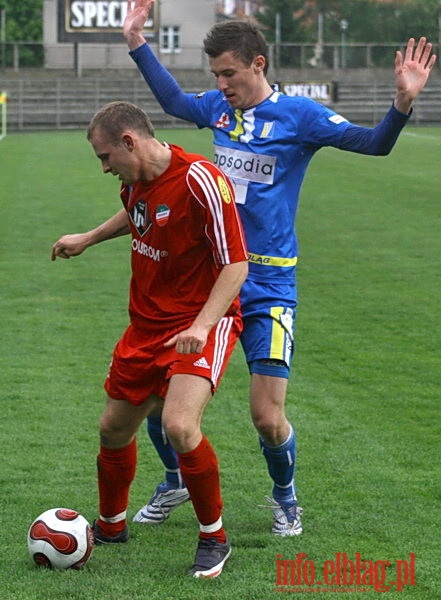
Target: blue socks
point(166, 453)
point(281, 463)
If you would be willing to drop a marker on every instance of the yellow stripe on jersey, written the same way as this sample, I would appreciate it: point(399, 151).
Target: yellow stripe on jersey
point(272, 261)
point(239, 129)
point(281, 333)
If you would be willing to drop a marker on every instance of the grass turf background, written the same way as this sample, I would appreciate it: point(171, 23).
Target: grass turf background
point(364, 396)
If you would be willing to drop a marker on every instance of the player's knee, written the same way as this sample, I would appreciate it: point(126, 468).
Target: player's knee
point(266, 424)
point(270, 426)
point(112, 434)
point(179, 433)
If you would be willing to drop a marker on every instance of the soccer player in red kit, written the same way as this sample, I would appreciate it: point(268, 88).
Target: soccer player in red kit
point(189, 261)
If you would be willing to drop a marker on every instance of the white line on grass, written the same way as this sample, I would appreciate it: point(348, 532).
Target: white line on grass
point(422, 136)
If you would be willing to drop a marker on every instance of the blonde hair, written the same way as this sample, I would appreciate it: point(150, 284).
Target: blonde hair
point(116, 117)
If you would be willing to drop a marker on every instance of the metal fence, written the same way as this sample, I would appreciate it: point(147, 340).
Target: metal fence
point(69, 102)
point(40, 98)
point(334, 56)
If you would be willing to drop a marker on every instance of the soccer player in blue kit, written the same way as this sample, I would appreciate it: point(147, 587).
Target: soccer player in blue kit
point(264, 141)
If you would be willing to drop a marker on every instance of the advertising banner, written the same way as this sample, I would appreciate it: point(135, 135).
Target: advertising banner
point(97, 21)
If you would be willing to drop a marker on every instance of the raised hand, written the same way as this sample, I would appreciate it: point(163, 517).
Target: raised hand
point(412, 72)
point(137, 14)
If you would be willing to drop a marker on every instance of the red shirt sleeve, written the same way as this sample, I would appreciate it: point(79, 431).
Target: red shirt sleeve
point(213, 190)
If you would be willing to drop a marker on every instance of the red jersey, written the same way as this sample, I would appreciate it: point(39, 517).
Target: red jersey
point(185, 228)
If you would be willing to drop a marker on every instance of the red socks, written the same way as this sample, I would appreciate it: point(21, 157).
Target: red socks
point(200, 472)
point(116, 471)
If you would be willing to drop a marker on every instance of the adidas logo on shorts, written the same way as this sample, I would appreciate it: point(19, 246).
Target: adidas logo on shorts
point(201, 362)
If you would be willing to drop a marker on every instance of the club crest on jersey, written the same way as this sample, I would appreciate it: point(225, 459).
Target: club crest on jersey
point(162, 215)
point(139, 215)
point(223, 122)
point(267, 130)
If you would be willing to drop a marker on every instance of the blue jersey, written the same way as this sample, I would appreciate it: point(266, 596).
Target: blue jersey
point(265, 151)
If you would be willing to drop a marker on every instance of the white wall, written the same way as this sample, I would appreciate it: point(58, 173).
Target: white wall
point(194, 17)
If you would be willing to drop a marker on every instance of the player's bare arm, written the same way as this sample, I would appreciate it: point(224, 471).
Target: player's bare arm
point(137, 14)
point(412, 72)
point(75, 243)
point(226, 288)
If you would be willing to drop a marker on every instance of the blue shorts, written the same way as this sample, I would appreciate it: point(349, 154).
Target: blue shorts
point(269, 311)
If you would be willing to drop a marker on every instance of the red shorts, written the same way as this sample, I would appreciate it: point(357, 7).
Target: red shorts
point(142, 366)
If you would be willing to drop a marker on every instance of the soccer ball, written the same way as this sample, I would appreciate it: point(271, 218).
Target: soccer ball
point(60, 538)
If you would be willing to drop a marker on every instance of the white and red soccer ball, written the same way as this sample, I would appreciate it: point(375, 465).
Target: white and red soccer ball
point(60, 538)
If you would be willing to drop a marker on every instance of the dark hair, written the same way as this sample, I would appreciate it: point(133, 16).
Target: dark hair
point(240, 37)
point(116, 117)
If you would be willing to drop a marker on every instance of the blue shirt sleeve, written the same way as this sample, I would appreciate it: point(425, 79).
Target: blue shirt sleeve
point(165, 88)
point(377, 141)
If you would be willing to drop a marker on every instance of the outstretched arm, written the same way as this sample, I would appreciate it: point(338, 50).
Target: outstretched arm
point(75, 244)
point(164, 86)
point(412, 72)
point(411, 75)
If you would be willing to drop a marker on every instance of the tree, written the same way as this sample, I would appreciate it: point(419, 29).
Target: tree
point(381, 21)
point(24, 20)
point(281, 25)
point(291, 29)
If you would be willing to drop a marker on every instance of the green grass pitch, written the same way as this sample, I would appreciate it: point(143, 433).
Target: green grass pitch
point(364, 396)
